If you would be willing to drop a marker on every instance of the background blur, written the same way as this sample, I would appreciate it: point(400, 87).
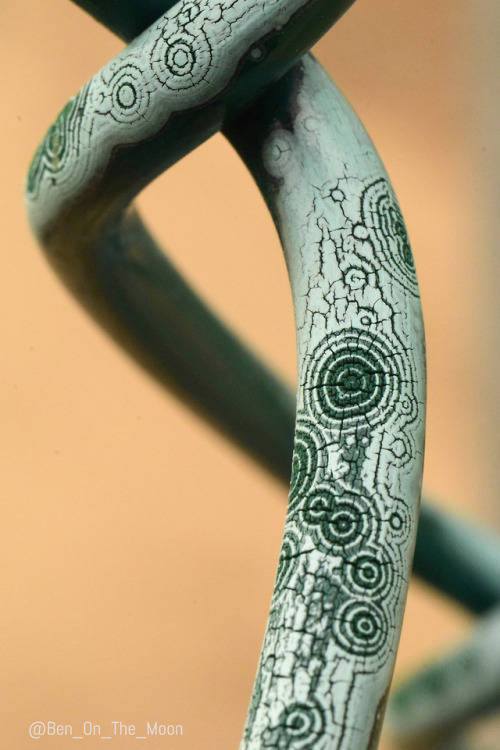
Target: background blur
point(138, 548)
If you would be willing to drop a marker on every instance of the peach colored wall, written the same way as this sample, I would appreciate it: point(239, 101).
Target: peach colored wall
point(138, 548)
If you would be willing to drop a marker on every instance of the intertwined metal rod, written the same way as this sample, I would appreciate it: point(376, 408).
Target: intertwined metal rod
point(344, 568)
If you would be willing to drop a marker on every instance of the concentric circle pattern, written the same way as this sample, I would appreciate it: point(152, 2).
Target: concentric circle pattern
point(361, 628)
point(354, 380)
point(129, 95)
point(181, 60)
point(300, 726)
point(341, 523)
point(387, 233)
point(59, 146)
point(308, 450)
point(369, 573)
point(399, 521)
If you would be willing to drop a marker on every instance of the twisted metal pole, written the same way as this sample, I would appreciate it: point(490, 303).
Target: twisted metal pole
point(185, 346)
point(358, 448)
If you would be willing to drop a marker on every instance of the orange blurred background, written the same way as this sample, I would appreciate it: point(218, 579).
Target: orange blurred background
point(138, 548)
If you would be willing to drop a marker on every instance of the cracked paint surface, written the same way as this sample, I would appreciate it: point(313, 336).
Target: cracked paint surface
point(344, 566)
point(188, 59)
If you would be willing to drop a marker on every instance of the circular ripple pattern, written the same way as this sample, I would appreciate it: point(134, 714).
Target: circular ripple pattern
point(399, 521)
point(308, 447)
point(354, 380)
point(387, 233)
point(369, 573)
point(361, 628)
point(59, 144)
point(129, 95)
point(341, 523)
point(181, 60)
point(300, 726)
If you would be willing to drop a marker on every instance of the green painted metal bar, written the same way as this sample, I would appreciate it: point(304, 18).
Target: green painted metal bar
point(126, 18)
point(440, 700)
point(459, 560)
point(359, 442)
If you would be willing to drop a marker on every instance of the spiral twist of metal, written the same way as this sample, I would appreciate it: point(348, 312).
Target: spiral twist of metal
point(242, 66)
